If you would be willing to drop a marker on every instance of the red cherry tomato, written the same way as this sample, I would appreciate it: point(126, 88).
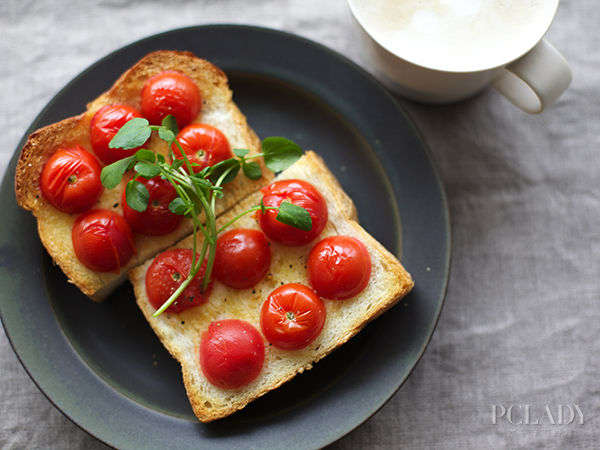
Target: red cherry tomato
point(70, 180)
point(292, 316)
point(203, 144)
point(339, 267)
point(171, 92)
point(102, 240)
point(299, 193)
point(105, 124)
point(165, 275)
point(157, 219)
point(242, 258)
point(232, 353)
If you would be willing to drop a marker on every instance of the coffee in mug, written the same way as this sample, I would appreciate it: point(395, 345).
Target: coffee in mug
point(445, 50)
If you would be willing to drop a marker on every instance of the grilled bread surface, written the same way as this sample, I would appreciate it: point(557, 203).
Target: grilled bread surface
point(181, 333)
point(54, 226)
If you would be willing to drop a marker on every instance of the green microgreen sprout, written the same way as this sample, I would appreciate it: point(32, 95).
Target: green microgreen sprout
point(197, 193)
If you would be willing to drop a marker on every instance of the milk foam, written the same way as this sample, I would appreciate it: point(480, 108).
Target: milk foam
point(456, 35)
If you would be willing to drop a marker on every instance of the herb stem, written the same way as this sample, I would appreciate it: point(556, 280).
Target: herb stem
point(258, 155)
point(173, 296)
point(184, 156)
point(196, 265)
point(213, 195)
point(212, 244)
point(184, 195)
point(196, 191)
point(239, 216)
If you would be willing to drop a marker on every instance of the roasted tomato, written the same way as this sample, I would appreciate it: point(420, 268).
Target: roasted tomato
point(157, 219)
point(165, 275)
point(242, 258)
point(292, 316)
point(339, 267)
point(203, 144)
point(171, 92)
point(105, 124)
point(232, 353)
point(102, 240)
point(70, 180)
point(299, 193)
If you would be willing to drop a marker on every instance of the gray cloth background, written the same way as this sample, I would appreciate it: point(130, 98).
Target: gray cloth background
point(521, 321)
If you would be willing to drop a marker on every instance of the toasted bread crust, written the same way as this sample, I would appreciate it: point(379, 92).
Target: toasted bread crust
point(54, 226)
point(342, 221)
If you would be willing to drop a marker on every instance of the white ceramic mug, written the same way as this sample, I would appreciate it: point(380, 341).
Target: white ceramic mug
point(532, 81)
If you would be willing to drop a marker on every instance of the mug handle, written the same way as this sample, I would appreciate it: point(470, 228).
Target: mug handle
point(534, 81)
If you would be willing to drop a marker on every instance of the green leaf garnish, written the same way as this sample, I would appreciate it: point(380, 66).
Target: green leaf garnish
point(280, 153)
point(178, 206)
point(147, 155)
point(146, 169)
point(206, 184)
point(131, 135)
point(294, 215)
point(240, 152)
point(166, 135)
point(137, 195)
point(112, 174)
point(170, 123)
point(252, 170)
point(231, 166)
point(197, 192)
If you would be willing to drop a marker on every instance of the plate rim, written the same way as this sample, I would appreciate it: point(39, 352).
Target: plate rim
point(332, 53)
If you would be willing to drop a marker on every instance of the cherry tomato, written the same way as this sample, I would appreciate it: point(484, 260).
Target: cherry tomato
point(339, 267)
point(102, 240)
point(232, 353)
point(157, 219)
point(70, 180)
point(105, 124)
point(203, 144)
point(165, 275)
point(171, 92)
point(292, 316)
point(242, 258)
point(299, 193)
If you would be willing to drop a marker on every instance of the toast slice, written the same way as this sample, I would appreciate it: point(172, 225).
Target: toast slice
point(181, 333)
point(54, 226)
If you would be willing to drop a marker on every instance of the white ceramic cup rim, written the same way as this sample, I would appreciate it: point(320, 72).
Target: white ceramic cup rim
point(525, 49)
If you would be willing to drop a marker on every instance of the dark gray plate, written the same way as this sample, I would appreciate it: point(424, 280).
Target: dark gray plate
point(102, 366)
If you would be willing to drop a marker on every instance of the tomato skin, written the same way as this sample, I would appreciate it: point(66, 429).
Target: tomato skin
point(300, 193)
point(232, 353)
point(102, 240)
point(157, 219)
point(171, 92)
point(104, 125)
point(242, 259)
point(71, 197)
point(166, 273)
point(292, 316)
point(203, 144)
point(339, 267)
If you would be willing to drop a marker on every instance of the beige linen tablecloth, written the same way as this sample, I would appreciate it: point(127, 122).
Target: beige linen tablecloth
point(521, 325)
